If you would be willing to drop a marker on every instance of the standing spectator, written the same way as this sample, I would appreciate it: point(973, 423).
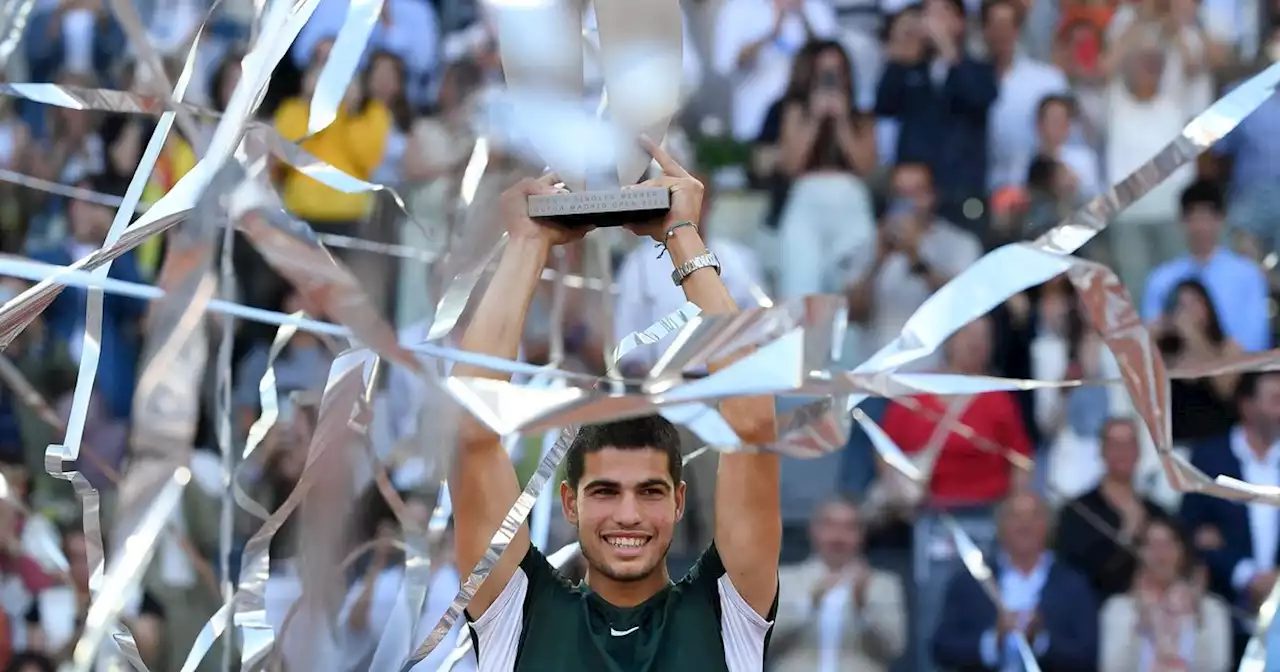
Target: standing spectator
point(1188, 335)
point(1165, 622)
point(916, 252)
point(1023, 83)
point(384, 82)
point(354, 143)
point(755, 44)
point(966, 472)
point(1084, 529)
point(121, 316)
point(1153, 90)
point(1042, 599)
point(1235, 283)
point(835, 612)
point(1239, 541)
point(817, 146)
point(69, 36)
point(1073, 420)
point(941, 96)
point(407, 28)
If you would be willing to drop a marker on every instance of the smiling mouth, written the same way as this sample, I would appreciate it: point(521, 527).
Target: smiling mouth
point(627, 543)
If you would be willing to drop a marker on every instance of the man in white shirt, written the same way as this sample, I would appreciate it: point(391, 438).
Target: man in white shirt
point(1023, 84)
point(646, 293)
point(756, 41)
point(1054, 117)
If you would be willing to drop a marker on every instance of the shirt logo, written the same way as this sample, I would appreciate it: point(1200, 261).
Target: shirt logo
point(623, 633)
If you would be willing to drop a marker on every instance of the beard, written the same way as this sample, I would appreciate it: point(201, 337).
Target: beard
point(598, 565)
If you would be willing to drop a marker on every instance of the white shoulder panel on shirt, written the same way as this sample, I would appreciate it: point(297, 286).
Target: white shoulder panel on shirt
point(498, 630)
point(743, 630)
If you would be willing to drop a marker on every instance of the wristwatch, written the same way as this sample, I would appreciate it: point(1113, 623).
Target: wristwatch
point(705, 260)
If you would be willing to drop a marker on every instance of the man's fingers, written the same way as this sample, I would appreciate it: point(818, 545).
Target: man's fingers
point(668, 164)
point(549, 180)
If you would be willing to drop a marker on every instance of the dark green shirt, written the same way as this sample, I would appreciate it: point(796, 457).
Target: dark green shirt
point(541, 623)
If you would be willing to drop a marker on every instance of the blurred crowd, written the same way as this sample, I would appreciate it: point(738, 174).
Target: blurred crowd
point(869, 148)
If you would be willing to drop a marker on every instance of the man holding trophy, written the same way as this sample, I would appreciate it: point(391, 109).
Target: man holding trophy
point(623, 491)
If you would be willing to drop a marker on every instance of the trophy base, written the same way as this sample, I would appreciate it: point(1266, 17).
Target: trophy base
point(602, 208)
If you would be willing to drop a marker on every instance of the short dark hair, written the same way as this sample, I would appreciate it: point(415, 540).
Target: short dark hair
point(989, 6)
point(24, 659)
point(1247, 386)
point(650, 432)
point(1202, 193)
point(959, 7)
point(1056, 99)
point(104, 183)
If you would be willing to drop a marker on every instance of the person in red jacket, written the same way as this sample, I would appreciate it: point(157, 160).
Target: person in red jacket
point(966, 471)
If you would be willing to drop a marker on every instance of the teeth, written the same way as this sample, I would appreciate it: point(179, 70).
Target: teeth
point(627, 542)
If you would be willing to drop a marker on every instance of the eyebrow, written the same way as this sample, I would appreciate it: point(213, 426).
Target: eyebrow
point(650, 483)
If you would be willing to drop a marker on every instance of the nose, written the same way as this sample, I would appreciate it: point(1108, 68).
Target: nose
point(627, 513)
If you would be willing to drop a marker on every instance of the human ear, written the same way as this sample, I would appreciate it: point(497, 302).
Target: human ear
point(569, 503)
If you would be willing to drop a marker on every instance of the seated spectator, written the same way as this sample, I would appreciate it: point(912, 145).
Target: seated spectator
point(1165, 621)
point(1095, 530)
point(755, 43)
point(30, 661)
point(1023, 83)
point(407, 28)
point(1042, 600)
point(88, 224)
point(646, 293)
point(1055, 117)
point(354, 143)
point(817, 148)
point(79, 36)
point(1073, 419)
point(965, 472)
point(302, 365)
point(941, 97)
point(836, 613)
point(1189, 335)
point(1236, 284)
point(916, 252)
point(1238, 541)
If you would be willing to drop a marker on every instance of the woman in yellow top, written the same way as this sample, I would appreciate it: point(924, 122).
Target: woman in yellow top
point(353, 143)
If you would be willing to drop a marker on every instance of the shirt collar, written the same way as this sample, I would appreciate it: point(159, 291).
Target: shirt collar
point(1003, 564)
point(1240, 447)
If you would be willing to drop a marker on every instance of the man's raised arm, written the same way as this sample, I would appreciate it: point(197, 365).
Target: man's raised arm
point(748, 524)
point(483, 484)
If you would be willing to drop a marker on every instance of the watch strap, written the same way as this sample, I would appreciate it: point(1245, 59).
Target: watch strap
point(705, 260)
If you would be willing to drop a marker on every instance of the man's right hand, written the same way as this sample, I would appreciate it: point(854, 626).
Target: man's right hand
point(514, 209)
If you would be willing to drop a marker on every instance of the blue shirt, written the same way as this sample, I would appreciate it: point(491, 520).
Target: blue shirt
point(1020, 594)
point(1254, 146)
point(1236, 285)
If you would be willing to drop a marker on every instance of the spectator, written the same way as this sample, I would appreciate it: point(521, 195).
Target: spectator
point(1152, 92)
point(1238, 541)
point(302, 365)
point(965, 472)
point(407, 28)
point(1189, 335)
point(1041, 599)
point(1055, 116)
point(1023, 84)
point(384, 81)
point(1249, 151)
point(646, 293)
point(1077, 52)
point(1096, 529)
point(354, 143)
point(21, 578)
point(29, 661)
point(916, 252)
point(1232, 281)
point(1073, 419)
point(88, 224)
point(69, 150)
point(755, 44)
point(75, 36)
point(817, 146)
point(1165, 622)
point(835, 612)
point(941, 97)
